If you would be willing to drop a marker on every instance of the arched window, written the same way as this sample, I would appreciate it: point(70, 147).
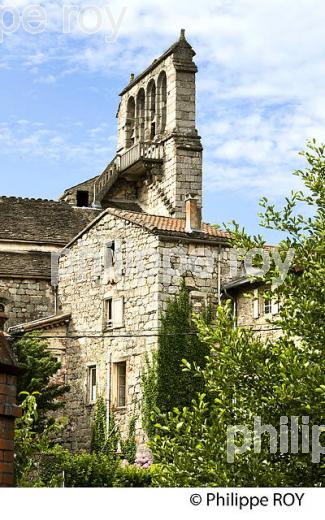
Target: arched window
point(162, 101)
point(151, 97)
point(141, 103)
point(130, 123)
point(2, 307)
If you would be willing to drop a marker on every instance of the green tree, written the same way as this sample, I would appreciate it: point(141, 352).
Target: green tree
point(246, 378)
point(39, 368)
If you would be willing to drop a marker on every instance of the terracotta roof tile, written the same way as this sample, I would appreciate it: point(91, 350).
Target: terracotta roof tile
point(168, 225)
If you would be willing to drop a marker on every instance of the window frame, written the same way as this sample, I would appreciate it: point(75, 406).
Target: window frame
point(118, 402)
point(114, 307)
point(91, 369)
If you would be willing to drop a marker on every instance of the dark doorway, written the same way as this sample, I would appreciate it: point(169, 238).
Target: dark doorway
point(82, 199)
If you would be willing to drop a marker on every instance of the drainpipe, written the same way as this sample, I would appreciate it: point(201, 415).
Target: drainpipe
point(55, 297)
point(219, 275)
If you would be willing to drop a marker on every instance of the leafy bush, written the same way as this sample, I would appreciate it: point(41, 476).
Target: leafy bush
point(132, 476)
point(89, 470)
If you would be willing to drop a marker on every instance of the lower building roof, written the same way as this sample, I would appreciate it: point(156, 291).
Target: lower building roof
point(45, 221)
point(32, 264)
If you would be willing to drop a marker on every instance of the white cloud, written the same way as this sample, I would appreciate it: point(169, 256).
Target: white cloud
point(31, 139)
point(260, 84)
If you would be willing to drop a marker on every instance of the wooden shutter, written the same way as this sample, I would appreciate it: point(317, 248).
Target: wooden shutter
point(275, 306)
point(118, 312)
point(256, 304)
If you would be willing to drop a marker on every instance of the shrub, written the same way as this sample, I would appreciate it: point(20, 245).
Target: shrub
point(132, 476)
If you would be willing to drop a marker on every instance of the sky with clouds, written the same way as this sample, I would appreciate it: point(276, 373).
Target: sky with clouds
point(260, 91)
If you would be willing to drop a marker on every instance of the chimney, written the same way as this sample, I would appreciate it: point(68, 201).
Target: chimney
point(193, 214)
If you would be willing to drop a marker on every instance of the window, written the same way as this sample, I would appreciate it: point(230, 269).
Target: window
point(82, 199)
point(113, 312)
point(141, 104)
point(120, 384)
point(92, 384)
point(110, 255)
point(130, 123)
point(2, 307)
point(109, 312)
point(151, 103)
point(267, 306)
point(162, 101)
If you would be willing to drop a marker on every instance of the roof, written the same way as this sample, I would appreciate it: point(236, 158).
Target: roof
point(168, 225)
point(8, 362)
point(39, 220)
point(238, 282)
point(27, 264)
point(181, 45)
point(44, 323)
point(162, 226)
point(128, 205)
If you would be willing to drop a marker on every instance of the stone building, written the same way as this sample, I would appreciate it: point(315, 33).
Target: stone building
point(253, 308)
point(123, 240)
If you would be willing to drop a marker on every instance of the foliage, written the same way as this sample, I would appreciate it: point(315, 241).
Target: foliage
point(246, 378)
point(129, 445)
point(103, 441)
point(98, 428)
point(149, 391)
point(39, 368)
point(89, 470)
point(40, 462)
point(132, 476)
point(164, 383)
point(30, 443)
point(178, 339)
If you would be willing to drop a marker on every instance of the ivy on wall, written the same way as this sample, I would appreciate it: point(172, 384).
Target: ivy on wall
point(165, 384)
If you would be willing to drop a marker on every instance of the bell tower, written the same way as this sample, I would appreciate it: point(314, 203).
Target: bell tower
point(159, 152)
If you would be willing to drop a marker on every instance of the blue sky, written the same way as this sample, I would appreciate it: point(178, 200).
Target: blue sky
point(260, 92)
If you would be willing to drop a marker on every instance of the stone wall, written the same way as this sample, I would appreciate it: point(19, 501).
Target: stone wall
point(147, 272)
point(26, 299)
point(82, 292)
point(263, 325)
